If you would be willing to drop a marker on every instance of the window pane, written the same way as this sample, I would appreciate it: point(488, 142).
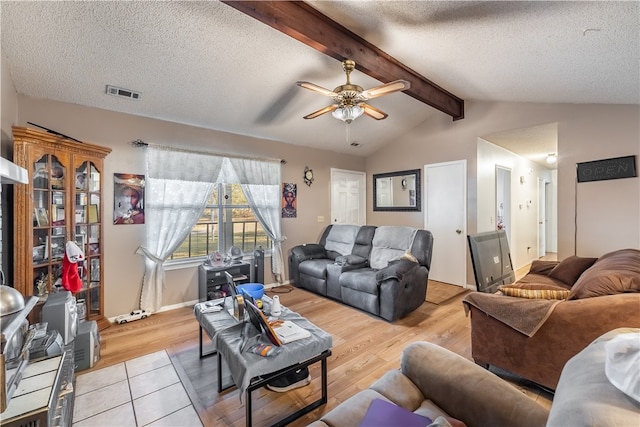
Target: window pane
point(226, 221)
point(236, 195)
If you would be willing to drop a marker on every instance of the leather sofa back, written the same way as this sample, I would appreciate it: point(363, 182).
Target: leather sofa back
point(362, 245)
point(422, 248)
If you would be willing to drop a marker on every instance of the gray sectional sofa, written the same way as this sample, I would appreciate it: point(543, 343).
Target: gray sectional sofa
point(381, 270)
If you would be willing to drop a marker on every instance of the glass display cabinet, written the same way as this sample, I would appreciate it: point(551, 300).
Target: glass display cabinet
point(62, 202)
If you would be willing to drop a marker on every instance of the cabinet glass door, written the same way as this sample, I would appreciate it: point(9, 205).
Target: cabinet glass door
point(49, 224)
point(87, 234)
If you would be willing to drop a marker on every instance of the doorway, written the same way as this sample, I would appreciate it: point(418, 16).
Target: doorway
point(542, 218)
point(348, 197)
point(445, 195)
point(503, 200)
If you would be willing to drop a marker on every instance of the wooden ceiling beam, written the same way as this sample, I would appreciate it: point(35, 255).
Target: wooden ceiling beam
point(307, 25)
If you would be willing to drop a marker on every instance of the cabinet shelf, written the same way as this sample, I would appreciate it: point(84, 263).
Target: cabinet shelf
point(63, 201)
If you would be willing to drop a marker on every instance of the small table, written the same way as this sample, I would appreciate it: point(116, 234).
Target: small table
point(250, 371)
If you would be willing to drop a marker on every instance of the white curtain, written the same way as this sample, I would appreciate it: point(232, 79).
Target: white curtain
point(260, 181)
point(178, 185)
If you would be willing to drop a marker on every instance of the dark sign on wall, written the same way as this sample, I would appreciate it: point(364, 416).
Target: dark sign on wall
point(600, 170)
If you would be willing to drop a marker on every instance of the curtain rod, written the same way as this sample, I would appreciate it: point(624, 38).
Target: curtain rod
point(140, 143)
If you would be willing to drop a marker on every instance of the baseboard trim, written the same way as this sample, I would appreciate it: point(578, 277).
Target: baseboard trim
point(194, 302)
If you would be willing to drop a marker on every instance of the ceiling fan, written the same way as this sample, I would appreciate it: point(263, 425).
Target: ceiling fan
point(349, 99)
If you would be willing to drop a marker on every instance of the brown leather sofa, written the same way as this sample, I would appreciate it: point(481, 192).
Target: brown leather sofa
point(534, 337)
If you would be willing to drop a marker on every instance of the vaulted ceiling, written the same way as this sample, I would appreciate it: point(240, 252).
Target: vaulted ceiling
point(211, 65)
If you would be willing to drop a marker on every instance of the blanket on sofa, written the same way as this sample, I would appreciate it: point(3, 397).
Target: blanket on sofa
point(524, 315)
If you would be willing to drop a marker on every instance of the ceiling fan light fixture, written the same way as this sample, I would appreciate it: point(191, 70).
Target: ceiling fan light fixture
point(552, 158)
point(348, 113)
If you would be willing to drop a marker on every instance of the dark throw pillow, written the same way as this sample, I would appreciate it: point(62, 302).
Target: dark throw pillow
point(614, 273)
point(570, 269)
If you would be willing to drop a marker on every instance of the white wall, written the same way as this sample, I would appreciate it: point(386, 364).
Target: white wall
point(524, 199)
point(552, 213)
point(607, 212)
point(123, 268)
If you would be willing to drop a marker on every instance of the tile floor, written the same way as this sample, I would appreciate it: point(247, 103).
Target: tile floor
point(145, 391)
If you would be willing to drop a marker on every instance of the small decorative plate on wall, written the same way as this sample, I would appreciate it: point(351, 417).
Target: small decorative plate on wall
point(308, 176)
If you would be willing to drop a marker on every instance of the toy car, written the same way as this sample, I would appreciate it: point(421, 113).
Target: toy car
point(134, 315)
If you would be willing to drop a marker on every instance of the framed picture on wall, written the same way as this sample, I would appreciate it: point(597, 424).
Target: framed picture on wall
point(128, 198)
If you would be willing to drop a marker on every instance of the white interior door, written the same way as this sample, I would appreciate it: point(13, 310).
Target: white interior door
point(348, 197)
point(446, 217)
point(542, 218)
point(503, 200)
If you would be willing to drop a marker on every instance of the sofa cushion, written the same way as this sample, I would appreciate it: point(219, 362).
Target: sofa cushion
point(351, 411)
point(389, 244)
point(534, 291)
point(399, 389)
point(541, 279)
point(585, 397)
point(613, 273)
point(315, 267)
point(362, 280)
point(570, 269)
point(341, 238)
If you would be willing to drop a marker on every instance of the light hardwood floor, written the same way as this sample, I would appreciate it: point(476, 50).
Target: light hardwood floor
point(364, 347)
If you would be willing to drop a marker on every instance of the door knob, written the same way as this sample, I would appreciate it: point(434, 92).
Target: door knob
point(458, 231)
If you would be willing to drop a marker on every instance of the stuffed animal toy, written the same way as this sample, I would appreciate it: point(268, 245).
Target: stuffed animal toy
point(71, 280)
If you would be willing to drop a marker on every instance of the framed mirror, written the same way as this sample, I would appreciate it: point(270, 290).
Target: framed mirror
point(397, 191)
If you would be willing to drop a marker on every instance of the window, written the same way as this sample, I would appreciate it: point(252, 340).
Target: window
point(226, 221)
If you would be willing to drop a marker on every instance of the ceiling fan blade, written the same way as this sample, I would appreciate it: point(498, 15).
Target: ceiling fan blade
point(386, 88)
point(316, 88)
point(372, 111)
point(322, 111)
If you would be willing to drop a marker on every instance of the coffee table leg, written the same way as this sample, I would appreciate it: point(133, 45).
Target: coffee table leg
point(248, 408)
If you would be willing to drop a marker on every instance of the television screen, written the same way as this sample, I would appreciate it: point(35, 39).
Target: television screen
point(491, 260)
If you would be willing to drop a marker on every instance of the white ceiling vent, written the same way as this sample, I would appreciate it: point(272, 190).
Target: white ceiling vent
point(123, 93)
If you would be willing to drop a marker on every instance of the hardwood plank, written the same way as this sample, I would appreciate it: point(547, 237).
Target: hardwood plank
point(364, 348)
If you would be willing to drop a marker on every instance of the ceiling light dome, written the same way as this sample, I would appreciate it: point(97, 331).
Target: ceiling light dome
point(552, 158)
point(348, 113)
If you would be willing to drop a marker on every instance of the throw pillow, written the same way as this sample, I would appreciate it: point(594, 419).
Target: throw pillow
point(534, 291)
point(614, 273)
point(570, 269)
point(409, 257)
point(542, 267)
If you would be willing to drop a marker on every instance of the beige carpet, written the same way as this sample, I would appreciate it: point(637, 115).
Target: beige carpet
point(439, 292)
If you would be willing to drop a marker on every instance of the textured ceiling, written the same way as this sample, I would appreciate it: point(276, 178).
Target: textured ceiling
point(208, 65)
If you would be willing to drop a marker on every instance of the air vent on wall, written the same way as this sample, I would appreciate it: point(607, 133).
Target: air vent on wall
point(123, 93)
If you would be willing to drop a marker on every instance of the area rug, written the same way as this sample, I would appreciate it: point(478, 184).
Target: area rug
point(439, 292)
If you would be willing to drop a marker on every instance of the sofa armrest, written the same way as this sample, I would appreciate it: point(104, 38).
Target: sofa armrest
point(569, 328)
point(308, 251)
point(396, 270)
point(352, 260)
point(466, 391)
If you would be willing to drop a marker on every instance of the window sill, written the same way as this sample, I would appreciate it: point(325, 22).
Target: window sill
point(180, 264)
